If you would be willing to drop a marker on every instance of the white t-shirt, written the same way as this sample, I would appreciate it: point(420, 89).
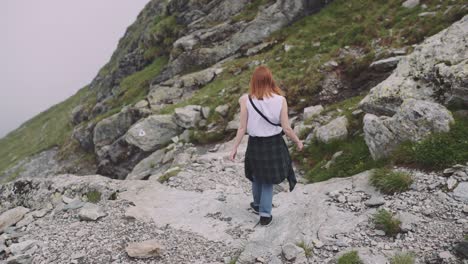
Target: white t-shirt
point(270, 107)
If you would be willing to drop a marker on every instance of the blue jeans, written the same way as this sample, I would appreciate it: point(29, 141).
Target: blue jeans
point(263, 197)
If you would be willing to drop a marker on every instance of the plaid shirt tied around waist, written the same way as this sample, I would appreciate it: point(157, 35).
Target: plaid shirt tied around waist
point(267, 160)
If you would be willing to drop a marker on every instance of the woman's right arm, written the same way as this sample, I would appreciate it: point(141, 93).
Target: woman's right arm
point(287, 128)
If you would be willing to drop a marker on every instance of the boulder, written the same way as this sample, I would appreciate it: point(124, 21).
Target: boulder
point(292, 252)
point(110, 129)
point(145, 249)
point(11, 217)
point(461, 192)
point(152, 132)
point(234, 124)
point(222, 109)
point(187, 116)
point(312, 111)
point(91, 212)
point(161, 95)
point(22, 247)
point(436, 71)
point(414, 121)
point(84, 135)
point(334, 130)
point(78, 115)
point(147, 166)
point(462, 249)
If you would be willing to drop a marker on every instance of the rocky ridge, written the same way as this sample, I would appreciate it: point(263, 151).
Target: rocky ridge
point(200, 215)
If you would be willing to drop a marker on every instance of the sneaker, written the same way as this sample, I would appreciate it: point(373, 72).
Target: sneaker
point(266, 221)
point(255, 208)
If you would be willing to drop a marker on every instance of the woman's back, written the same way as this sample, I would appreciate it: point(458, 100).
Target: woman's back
point(270, 107)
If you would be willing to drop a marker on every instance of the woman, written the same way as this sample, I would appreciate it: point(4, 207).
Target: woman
point(264, 116)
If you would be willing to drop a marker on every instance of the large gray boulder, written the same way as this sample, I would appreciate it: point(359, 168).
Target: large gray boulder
point(187, 116)
point(147, 166)
point(436, 71)
point(152, 132)
point(110, 129)
point(84, 135)
point(414, 120)
point(334, 130)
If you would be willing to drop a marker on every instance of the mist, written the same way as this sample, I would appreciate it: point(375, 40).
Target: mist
point(49, 49)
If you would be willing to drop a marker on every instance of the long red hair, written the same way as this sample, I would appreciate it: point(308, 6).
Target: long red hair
point(262, 84)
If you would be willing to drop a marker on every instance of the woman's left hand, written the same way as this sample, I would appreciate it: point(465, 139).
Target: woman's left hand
point(232, 156)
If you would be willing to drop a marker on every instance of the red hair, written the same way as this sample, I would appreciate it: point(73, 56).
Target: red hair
point(262, 84)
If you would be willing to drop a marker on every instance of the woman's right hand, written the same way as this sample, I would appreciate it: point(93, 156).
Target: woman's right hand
point(299, 145)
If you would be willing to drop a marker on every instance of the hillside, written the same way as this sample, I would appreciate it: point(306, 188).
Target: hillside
point(377, 90)
point(327, 62)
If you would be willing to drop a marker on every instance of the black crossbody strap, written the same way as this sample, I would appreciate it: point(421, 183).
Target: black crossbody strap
point(261, 114)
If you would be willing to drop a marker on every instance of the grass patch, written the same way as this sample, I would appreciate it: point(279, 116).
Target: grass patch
point(439, 150)
point(351, 257)
point(135, 87)
point(168, 174)
point(384, 220)
point(403, 258)
point(251, 10)
point(355, 159)
point(389, 182)
point(93, 196)
point(308, 249)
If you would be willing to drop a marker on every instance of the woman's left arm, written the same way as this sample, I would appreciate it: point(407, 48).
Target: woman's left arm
point(242, 126)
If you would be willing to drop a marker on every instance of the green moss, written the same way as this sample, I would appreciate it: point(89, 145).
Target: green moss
point(439, 150)
point(355, 159)
point(384, 220)
point(135, 87)
point(251, 10)
point(403, 258)
point(351, 257)
point(390, 182)
point(93, 196)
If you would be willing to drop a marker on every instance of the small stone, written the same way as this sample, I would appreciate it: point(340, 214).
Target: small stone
point(288, 47)
point(145, 249)
point(353, 198)
point(205, 112)
point(341, 199)
point(75, 204)
point(317, 243)
point(375, 201)
point(451, 183)
point(410, 3)
point(91, 212)
point(445, 255)
point(449, 171)
point(22, 247)
point(380, 232)
point(291, 251)
point(222, 109)
point(312, 111)
point(40, 213)
point(11, 217)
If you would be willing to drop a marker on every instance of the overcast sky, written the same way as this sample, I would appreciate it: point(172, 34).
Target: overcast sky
point(51, 48)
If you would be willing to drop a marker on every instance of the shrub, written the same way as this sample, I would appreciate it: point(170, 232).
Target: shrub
point(168, 174)
point(307, 248)
point(384, 220)
point(403, 258)
point(93, 196)
point(351, 257)
point(390, 182)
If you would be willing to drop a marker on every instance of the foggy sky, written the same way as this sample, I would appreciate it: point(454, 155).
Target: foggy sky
point(51, 48)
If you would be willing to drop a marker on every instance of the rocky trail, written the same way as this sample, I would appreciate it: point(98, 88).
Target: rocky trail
point(201, 215)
